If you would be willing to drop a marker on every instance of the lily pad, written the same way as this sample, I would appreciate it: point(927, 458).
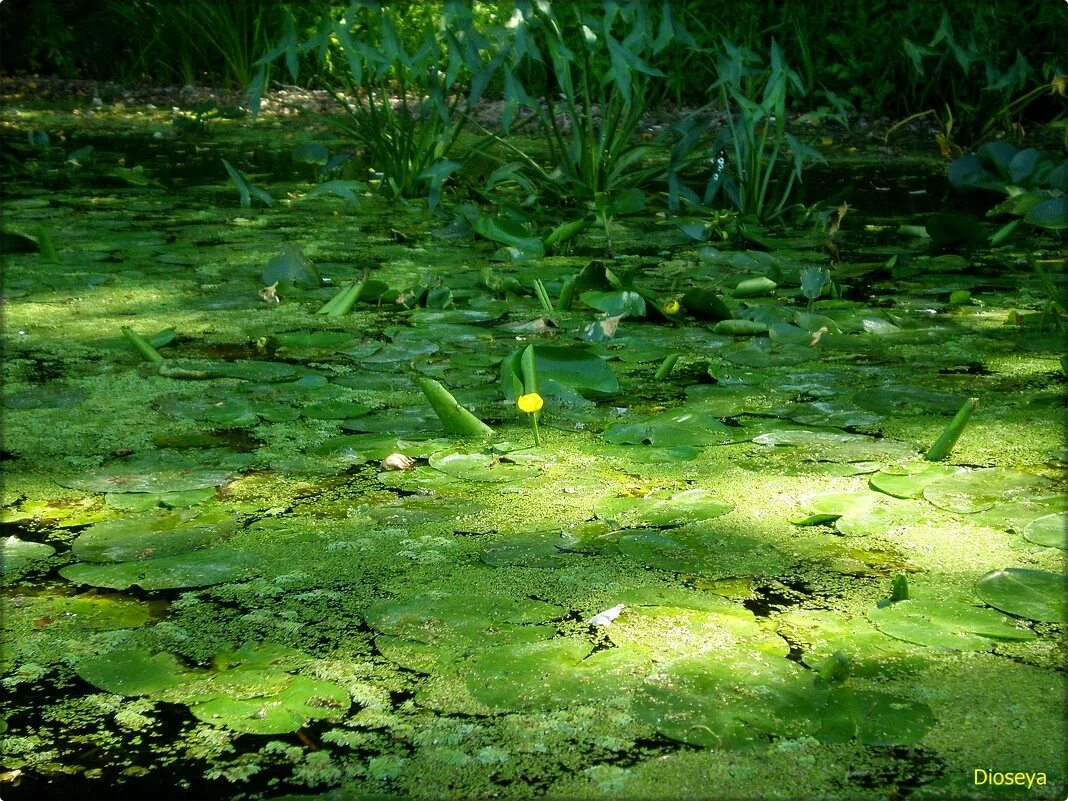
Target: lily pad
point(682, 507)
point(576, 369)
point(729, 700)
point(978, 490)
point(145, 536)
point(193, 569)
point(693, 550)
point(1050, 530)
point(679, 427)
point(303, 700)
point(905, 400)
point(550, 675)
point(223, 410)
point(17, 556)
point(487, 468)
point(133, 672)
point(837, 446)
point(873, 717)
point(946, 624)
point(909, 480)
point(459, 618)
point(1034, 594)
point(156, 473)
point(666, 632)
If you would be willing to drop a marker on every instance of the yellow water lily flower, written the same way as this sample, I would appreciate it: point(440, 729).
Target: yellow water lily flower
point(672, 307)
point(530, 403)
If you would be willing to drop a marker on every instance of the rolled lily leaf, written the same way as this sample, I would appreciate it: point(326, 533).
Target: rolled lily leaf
point(343, 301)
point(457, 420)
point(941, 448)
point(148, 353)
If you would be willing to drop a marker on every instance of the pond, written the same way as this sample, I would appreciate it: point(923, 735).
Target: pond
point(265, 567)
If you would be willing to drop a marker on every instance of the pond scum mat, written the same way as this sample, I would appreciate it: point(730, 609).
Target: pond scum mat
point(245, 557)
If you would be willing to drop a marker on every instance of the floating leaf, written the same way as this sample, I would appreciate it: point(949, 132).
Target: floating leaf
point(682, 507)
point(18, 556)
point(1034, 594)
point(946, 624)
point(303, 700)
point(680, 427)
point(1050, 530)
point(144, 536)
point(193, 569)
point(133, 672)
point(909, 480)
point(568, 367)
point(873, 717)
point(728, 701)
point(460, 618)
point(291, 266)
point(977, 490)
point(482, 467)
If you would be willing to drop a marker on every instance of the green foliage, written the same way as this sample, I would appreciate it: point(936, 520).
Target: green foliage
point(767, 160)
point(364, 63)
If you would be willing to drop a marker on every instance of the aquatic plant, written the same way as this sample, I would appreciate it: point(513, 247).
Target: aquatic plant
point(590, 114)
point(405, 108)
point(767, 159)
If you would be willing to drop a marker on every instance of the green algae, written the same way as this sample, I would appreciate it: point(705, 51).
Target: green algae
point(334, 543)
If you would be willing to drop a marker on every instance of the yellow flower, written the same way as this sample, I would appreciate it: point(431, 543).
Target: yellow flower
point(672, 307)
point(530, 403)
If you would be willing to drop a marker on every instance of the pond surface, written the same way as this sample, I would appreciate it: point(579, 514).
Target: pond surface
point(216, 588)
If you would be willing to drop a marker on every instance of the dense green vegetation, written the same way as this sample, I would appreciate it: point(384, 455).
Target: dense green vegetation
point(513, 400)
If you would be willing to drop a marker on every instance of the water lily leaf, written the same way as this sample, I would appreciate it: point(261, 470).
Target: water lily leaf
point(537, 549)
point(656, 510)
point(133, 672)
point(245, 370)
point(460, 618)
point(1034, 594)
point(1016, 515)
point(334, 410)
point(311, 153)
point(645, 454)
point(946, 624)
point(87, 611)
point(872, 717)
point(510, 234)
point(482, 467)
point(1051, 214)
point(18, 556)
point(615, 304)
point(199, 568)
point(692, 549)
point(49, 396)
point(291, 266)
point(898, 400)
point(682, 426)
point(150, 535)
point(224, 411)
point(751, 287)
point(869, 651)
point(978, 490)
point(156, 475)
point(909, 480)
point(146, 501)
point(303, 700)
point(576, 369)
point(834, 413)
point(550, 675)
point(838, 446)
point(728, 701)
point(1050, 530)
